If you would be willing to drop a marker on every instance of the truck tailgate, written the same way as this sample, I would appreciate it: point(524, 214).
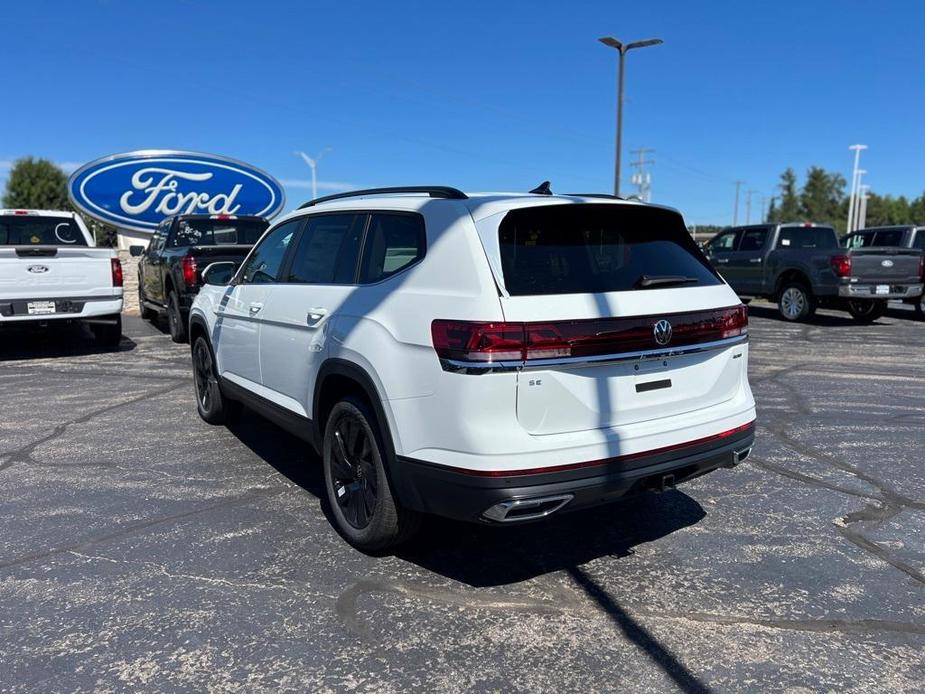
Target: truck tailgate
point(884, 264)
point(38, 272)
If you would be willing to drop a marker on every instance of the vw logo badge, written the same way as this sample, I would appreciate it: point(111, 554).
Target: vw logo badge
point(662, 332)
point(886, 263)
point(38, 269)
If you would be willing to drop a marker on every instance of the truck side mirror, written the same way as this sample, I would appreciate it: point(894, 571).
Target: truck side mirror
point(219, 274)
point(136, 251)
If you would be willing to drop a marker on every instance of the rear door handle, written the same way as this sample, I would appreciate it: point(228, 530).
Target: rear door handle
point(722, 260)
point(255, 308)
point(315, 316)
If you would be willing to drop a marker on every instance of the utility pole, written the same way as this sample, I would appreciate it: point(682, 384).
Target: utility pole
point(735, 210)
point(642, 179)
point(748, 206)
point(623, 49)
point(852, 201)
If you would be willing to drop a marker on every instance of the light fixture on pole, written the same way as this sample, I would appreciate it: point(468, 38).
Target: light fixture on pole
point(623, 49)
point(852, 201)
point(313, 165)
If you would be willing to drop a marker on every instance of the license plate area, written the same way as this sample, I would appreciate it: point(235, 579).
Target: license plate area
point(40, 308)
point(882, 289)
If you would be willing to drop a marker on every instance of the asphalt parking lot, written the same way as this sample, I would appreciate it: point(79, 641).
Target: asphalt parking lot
point(143, 549)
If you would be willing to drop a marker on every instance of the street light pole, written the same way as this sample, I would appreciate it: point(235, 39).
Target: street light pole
point(852, 201)
point(622, 49)
point(313, 165)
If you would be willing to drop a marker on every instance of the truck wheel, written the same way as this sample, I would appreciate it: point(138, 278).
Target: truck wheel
point(146, 313)
point(365, 512)
point(212, 405)
point(109, 335)
point(866, 310)
point(796, 302)
point(175, 319)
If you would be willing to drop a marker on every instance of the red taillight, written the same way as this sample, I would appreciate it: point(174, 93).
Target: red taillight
point(21, 212)
point(841, 265)
point(492, 342)
point(116, 268)
point(190, 271)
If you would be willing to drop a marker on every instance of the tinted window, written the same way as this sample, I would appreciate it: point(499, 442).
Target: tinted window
point(265, 260)
point(807, 237)
point(328, 249)
point(858, 240)
point(32, 230)
point(393, 242)
point(919, 241)
point(568, 249)
point(218, 232)
point(753, 239)
point(889, 237)
point(724, 242)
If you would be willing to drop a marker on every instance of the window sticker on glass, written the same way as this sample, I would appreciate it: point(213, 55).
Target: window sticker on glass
point(785, 242)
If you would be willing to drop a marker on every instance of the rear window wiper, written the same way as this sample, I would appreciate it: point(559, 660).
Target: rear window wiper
point(646, 281)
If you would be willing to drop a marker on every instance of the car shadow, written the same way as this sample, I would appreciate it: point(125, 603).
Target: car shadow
point(491, 555)
point(53, 341)
point(822, 319)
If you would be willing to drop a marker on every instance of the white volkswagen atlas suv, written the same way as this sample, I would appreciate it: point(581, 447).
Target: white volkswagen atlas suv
point(492, 357)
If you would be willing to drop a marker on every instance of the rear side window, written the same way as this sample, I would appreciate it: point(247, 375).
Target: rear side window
point(393, 242)
point(264, 263)
point(889, 237)
point(919, 241)
point(328, 249)
point(218, 232)
point(33, 230)
point(571, 249)
point(725, 241)
point(807, 237)
point(753, 239)
point(859, 240)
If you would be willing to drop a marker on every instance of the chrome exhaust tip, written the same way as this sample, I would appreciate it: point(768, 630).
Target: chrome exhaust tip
point(513, 510)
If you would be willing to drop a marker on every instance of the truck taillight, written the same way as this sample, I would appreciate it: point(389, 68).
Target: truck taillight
point(468, 341)
point(841, 265)
point(116, 268)
point(190, 271)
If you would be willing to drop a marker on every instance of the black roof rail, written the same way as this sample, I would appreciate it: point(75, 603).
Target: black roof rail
point(609, 196)
point(445, 192)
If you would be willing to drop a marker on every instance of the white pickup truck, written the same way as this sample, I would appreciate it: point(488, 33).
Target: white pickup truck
point(51, 271)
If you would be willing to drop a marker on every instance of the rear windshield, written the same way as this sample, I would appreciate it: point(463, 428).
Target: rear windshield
point(807, 237)
point(589, 249)
point(218, 232)
point(33, 230)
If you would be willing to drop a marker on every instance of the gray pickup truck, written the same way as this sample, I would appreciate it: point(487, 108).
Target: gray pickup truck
point(802, 267)
point(902, 236)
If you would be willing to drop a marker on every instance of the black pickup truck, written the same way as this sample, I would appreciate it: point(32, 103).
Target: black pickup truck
point(902, 236)
point(802, 267)
point(169, 269)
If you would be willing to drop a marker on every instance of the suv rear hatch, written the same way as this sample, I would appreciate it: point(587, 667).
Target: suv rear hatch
point(592, 285)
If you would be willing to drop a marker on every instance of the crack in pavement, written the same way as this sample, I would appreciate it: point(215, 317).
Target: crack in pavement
point(23, 454)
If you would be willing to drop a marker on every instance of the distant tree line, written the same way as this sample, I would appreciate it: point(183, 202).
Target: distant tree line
point(38, 184)
point(823, 200)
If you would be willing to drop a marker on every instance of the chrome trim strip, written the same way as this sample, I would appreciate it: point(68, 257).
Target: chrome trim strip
point(469, 367)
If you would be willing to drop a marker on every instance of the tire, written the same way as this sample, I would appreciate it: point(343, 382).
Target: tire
point(365, 512)
point(866, 310)
point(146, 313)
point(175, 319)
point(109, 335)
point(212, 405)
point(796, 302)
point(919, 306)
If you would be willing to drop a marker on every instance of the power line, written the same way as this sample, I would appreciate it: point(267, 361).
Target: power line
point(735, 210)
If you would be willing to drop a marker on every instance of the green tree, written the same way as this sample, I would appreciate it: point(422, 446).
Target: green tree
point(36, 184)
point(772, 215)
point(789, 210)
point(822, 196)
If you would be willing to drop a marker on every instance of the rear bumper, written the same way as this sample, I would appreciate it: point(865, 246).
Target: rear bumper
point(869, 291)
point(66, 308)
point(473, 495)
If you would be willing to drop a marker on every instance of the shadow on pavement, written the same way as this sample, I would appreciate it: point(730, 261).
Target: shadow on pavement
point(821, 319)
point(18, 343)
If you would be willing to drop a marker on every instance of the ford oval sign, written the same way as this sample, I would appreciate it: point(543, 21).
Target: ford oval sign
point(136, 190)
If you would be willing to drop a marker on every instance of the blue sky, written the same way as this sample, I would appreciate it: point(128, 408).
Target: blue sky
point(480, 95)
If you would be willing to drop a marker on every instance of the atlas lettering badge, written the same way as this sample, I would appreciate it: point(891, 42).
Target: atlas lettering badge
point(137, 190)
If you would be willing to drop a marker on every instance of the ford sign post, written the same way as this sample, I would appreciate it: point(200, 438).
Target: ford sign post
point(136, 190)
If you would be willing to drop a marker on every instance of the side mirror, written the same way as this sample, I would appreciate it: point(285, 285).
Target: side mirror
point(219, 274)
point(136, 251)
